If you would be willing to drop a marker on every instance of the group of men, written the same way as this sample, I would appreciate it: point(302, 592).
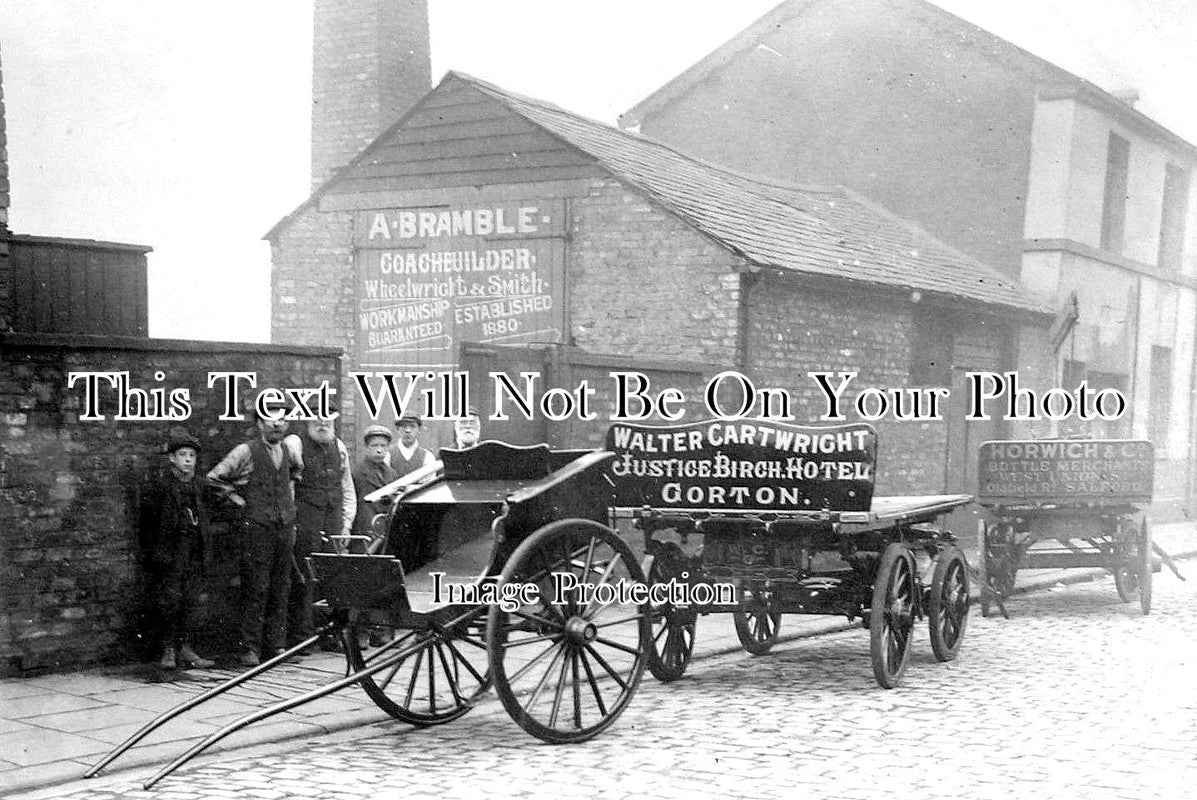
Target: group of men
point(298, 493)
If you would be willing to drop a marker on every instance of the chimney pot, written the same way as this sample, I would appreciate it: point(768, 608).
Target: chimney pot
point(1129, 96)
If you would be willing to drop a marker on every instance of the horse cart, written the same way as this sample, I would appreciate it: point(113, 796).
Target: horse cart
point(1067, 503)
point(534, 592)
point(787, 519)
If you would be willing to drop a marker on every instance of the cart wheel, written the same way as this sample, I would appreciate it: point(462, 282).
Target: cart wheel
point(673, 629)
point(1000, 568)
point(1144, 567)
point(891, 616)
point(947, 611)
point(440, 677)
point(565, 672)
point(758, 627)
point(1126, 579)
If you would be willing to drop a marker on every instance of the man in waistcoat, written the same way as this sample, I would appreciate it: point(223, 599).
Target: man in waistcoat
point(325, 504)
point(259, 476)
point(407, 455)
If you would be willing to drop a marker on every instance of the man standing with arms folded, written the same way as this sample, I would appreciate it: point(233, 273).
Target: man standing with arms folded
point(259, 476)
point(325, 504)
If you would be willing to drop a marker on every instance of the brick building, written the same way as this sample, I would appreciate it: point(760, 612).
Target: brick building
point(997, 152)
point(599, 249)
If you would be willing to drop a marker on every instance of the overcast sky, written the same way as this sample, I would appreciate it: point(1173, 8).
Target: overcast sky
point(185, 126)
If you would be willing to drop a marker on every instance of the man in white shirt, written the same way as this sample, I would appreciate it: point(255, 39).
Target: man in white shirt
point(407, 455)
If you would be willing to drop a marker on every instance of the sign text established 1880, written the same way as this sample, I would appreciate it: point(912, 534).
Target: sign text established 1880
point(432, 277)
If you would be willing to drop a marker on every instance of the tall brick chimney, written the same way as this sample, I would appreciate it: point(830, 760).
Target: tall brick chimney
point(3, 162)
point(370, 63)
point(6, 279)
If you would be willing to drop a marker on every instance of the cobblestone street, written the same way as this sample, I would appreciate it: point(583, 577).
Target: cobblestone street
point(1076, 696)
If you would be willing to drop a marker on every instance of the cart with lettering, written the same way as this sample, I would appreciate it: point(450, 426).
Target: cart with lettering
point(1067, 503)
point(534, 592)
point(760, 519)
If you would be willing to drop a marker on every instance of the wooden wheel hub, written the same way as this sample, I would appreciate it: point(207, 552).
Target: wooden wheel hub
point(580, 631)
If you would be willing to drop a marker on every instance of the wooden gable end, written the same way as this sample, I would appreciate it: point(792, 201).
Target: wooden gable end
point(457, 136)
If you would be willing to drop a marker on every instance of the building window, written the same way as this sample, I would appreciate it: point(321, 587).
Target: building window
point(1172, 218)
point(1113, 210)
point(931, 351)
point(1161, 394)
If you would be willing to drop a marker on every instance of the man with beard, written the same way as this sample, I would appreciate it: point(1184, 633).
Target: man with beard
point(325, 504)
point(259, 476)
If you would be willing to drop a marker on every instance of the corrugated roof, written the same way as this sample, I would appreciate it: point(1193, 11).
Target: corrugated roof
point(820, 230)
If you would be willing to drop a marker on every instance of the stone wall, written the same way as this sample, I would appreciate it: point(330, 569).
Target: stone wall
point(70, 580)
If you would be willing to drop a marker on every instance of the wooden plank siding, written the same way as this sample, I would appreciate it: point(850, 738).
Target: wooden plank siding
point(79, 287)
point(459, 137)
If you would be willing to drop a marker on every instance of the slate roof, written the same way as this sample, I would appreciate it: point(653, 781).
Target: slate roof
point(821, 230)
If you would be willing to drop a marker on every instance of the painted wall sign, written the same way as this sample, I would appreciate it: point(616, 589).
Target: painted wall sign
point(744, 465)
point(430, 278)
point(1063, 470)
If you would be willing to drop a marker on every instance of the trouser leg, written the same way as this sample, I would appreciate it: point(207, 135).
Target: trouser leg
point(191, 587)
point(282, 564)
point(257, 552)
point(300, 597)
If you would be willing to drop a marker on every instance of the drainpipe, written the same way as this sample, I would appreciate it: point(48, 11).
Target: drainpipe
point(1189, 477)
point(748, 282)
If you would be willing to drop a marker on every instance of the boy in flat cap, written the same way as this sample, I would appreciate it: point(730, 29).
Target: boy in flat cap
point(372, 474)
point(175, 535)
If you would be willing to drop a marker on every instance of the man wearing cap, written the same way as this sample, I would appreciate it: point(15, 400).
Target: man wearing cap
point(259, 476)
point(176, 547)
point(372, 474)
point(325, 504)
point(407, 455)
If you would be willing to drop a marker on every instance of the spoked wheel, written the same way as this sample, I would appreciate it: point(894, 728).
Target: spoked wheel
point(442, 675)
point(891, 617)
point(1145, 567)
point(1126, 578)
point(947, 610)
point(1000, 567)
point(673, 628)
point(759, 626)
point(565, 672)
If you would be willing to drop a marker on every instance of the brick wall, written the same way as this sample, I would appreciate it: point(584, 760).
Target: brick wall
point(70, 582)
point(370, 63)
point(642, 282)
point(794, 329)
point(312, 291)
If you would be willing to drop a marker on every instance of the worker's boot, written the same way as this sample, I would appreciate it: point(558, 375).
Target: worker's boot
point(168, 658)
point(190, 658)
